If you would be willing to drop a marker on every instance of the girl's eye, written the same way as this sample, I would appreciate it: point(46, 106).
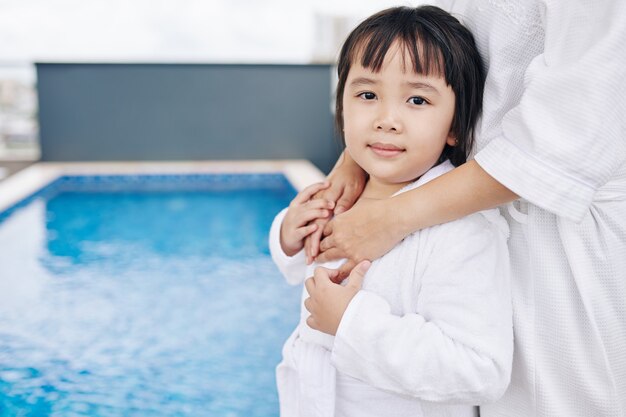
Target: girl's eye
point(417, 100)
point(367, 95)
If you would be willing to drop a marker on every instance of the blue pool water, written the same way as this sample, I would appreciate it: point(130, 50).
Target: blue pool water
point(143, 296)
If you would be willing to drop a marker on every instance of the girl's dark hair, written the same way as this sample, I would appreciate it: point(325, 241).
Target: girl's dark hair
point(437, 44)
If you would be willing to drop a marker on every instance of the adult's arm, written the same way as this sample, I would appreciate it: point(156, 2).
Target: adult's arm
point(372, 228)
point(565, 138)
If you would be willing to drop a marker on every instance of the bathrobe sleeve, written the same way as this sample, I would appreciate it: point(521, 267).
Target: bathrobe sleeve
point(458, 345)
point(565, 138)
point(294, 267)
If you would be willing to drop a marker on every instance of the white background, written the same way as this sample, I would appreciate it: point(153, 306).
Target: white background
point(238, 31)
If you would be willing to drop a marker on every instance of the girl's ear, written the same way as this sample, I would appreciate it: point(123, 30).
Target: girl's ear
point(452, 140)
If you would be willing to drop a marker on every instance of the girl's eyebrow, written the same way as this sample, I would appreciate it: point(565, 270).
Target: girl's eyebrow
point(422, 86)
point(363, 81)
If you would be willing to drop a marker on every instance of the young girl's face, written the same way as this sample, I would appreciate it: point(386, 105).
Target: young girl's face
point(396, 122)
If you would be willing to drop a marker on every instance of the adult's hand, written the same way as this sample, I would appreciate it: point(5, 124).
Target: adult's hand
point(373, 227)
point(347, 181)
point(365, 232)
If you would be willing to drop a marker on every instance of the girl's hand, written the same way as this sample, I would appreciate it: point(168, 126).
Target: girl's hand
point(301, 211)
point(347, 181)
point(367, 231)
point(328, 301)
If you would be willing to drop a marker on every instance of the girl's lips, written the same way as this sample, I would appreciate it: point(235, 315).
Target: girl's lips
point(385, 150)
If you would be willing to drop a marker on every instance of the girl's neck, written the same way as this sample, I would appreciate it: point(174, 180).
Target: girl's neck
point(378, 189)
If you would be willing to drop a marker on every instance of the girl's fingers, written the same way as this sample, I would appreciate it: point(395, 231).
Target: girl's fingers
point(310, 321)
point(312, 245)
point(307, 304)
point(344, 270)
point(303, 217)
point(357, 274)
point(308, 192)
point(303, 232)
point(309, 215)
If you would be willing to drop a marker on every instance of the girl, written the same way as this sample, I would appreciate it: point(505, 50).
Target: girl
point(432, 325)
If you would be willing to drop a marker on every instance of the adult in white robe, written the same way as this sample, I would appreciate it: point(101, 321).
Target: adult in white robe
point(553, 132)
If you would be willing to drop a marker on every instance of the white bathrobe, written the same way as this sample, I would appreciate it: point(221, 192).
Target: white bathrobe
point(430, 333)
point(554, 131)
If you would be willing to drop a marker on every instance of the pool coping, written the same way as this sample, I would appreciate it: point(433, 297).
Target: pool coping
point(19, 186)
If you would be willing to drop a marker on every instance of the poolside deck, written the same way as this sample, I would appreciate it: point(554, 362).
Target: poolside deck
point(8, 168)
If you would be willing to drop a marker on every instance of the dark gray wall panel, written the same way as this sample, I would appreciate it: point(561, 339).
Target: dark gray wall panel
point(113, 112)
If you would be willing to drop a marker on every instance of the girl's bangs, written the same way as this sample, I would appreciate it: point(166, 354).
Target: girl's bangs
point(424, 55)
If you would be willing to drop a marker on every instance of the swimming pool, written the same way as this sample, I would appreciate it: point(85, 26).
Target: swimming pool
point(143, 295)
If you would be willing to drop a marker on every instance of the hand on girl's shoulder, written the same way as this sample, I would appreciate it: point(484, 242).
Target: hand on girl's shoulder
point(302, 211)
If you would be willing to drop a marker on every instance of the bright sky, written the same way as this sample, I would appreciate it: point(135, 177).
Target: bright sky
point(281, 31)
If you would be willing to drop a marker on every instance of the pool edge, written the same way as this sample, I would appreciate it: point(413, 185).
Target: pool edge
point(299, 173)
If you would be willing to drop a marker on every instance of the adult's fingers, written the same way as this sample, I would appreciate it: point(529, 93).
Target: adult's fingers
point(347, 199)
point(327, 243)
point(308, 192)
point(319, 204)
point(330, 255)
point(332, 193)
point(309, 284)
point(328, 229)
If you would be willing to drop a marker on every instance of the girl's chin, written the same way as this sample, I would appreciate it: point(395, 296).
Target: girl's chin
point(390, 180)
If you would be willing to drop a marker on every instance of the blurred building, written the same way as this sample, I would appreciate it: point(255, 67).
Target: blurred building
point(18, 113)
point(165, 31)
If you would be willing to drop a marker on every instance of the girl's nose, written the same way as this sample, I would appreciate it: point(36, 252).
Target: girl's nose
point(388, 121)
